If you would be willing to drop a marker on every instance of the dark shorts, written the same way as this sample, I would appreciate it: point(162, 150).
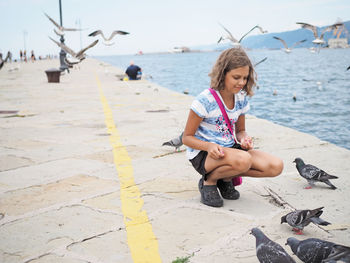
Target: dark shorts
point(199, 161)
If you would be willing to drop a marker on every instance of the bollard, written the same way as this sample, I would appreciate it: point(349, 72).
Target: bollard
point(53, 75)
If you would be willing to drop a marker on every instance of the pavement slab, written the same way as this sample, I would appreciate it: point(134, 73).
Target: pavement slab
point(63, 168)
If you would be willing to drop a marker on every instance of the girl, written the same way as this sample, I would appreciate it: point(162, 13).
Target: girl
point(213, 151)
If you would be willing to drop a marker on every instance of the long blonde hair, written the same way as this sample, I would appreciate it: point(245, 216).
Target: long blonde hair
point(231, 59)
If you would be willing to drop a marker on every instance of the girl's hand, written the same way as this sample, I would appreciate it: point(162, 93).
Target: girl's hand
point(215, 151)
point(247, 143)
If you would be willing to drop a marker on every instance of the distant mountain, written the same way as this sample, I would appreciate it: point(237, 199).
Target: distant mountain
point(267, 41)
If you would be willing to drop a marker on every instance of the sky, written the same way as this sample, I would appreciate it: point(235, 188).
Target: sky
point(154, 25)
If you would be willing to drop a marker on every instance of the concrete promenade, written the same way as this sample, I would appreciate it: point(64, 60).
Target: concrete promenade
point(84, 178)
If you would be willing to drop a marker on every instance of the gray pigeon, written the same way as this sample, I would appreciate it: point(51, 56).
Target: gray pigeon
point(311, 250)
point(176, 142)
point(268, 251)
point(339, 253)
point(313, 174)
point(299, 219)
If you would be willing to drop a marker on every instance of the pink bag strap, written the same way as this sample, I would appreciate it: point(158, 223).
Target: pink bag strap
point(223, 111)
point(238, 179)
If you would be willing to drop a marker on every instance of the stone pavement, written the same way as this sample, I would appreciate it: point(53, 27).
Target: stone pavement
point(84, 178)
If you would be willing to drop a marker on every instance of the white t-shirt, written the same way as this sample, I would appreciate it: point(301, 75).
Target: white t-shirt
point(213, 127)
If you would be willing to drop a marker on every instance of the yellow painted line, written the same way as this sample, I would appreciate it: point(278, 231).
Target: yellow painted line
point(119, 105)
point(142, 242)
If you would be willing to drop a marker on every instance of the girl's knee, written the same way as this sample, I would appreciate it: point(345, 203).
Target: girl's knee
point(242, 162)
point(276, 167)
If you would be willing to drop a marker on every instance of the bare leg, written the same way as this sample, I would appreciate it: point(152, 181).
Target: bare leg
point(264, 165)
point(253, 163)
point(233, 163)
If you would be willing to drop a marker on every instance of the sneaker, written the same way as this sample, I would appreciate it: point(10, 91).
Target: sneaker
point(210, 195)
point(227, 190)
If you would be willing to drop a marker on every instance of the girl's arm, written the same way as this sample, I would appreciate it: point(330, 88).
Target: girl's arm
point(188, 138)
point(242, 136)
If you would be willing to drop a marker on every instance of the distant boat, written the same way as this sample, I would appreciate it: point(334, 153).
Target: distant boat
point(177, 50)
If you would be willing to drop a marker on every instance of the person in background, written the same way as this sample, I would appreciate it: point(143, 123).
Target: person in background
point(21, 55)
point(134, 72)
point(9, 56)
point(32, 56)
point(219, 148)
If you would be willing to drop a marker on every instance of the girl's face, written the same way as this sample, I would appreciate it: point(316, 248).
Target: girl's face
point(236, 79)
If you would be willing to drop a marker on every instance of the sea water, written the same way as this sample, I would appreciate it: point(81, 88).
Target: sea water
point(319, 81)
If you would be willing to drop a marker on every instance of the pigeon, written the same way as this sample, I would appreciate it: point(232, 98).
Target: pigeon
point(339, 253)
point(76, 57)
point(286, 48)
point(261, 61)
point(234, 41)
point(176, 142)
point(108, 41)
point(299, 219)
point(310, 250)
point(268, 251)
point(59, 30)
point(319, 39)
point(313, 174)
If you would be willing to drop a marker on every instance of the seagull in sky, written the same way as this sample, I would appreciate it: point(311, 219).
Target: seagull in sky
point(261, 61)
point(286, 48)
point(108, 41)
point(319, 39)
point(75, 57)
point(2, 61)
point(59, 30)
point(234, 41)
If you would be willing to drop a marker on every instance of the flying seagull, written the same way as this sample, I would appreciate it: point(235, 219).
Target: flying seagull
point(286, 48)
point(348, 68)
point(60, 29)
point(268, 251)
point(319, 39)
point(108, 41)
point(2, 61)
point(339, 253)
point(313, 174)
point(234, 41)
point(261, 61)
point(310, 250)
point(299, 219)
point(75, 57)
point(176, 142)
